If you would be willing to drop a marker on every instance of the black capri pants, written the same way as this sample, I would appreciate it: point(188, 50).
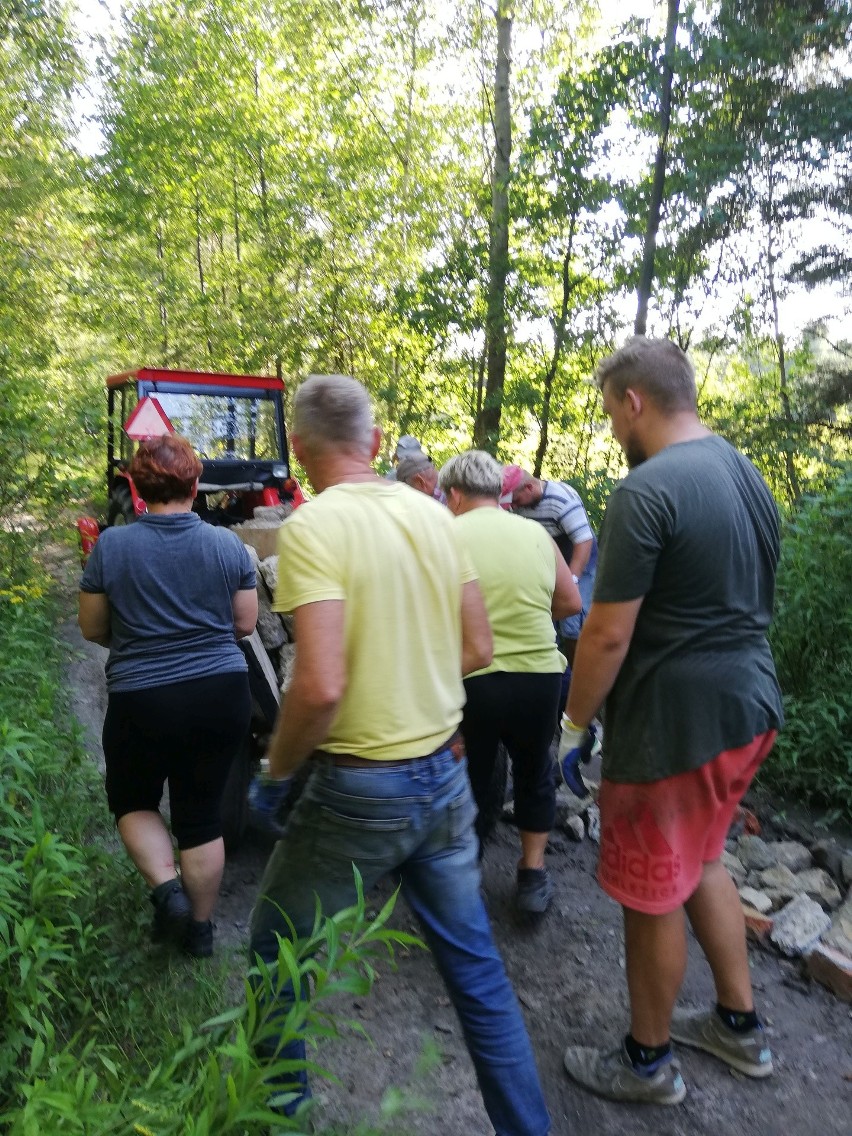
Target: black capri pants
point(186, 733)
point(518, 710)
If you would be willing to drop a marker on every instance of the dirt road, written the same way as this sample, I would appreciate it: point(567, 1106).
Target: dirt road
point(569, 976)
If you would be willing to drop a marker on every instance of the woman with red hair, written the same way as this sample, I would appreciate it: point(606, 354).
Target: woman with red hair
point(170, 596)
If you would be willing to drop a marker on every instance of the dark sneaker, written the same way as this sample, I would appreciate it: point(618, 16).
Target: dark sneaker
point(535, 890)
point(611, 1075)
point(198, 940)
point(172, 912)
point(748, 1053)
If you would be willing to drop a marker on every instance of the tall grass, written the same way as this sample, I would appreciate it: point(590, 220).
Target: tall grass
point(99, 1033)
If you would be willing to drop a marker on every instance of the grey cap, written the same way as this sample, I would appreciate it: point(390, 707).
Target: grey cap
point(408, 444)
point(412, 464)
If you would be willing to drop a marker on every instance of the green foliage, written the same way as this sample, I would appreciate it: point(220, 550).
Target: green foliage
point(99, 1033)
point(46, 417)
point(812, 642)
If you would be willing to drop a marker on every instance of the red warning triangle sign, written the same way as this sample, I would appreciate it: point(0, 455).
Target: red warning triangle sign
point(148, 420)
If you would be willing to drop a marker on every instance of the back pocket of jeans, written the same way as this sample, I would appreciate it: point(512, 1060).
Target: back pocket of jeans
point(370, 840)
point(364, 824)
point(461, 813)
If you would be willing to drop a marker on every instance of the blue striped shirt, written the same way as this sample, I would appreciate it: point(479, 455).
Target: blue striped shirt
point(561, 512)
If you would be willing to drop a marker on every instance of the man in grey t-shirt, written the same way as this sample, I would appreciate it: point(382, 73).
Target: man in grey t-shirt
point(675, 647)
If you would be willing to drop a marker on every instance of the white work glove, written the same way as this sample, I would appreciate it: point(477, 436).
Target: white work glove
point(575, 746)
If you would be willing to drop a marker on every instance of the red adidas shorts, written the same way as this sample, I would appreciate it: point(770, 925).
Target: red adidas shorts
point(656, 837)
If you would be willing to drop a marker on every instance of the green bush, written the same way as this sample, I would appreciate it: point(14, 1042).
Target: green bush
point(812, 641)
point(98, 1033)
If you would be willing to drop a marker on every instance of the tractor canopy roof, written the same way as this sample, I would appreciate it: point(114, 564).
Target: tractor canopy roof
point(203, 382)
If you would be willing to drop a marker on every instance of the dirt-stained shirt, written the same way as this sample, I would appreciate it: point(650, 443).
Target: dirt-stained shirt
point(695, 531)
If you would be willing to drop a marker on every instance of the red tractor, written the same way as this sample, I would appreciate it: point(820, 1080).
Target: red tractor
point(236, 425)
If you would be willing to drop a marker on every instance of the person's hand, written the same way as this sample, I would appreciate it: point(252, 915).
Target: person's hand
point(266, 795)
point(575, 746)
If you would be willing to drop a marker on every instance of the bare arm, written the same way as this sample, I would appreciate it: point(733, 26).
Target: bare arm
point(580, 557)
point(477, 643)
point(319, 683)
point(94, 618)
point(601, 649)
point(566, 595)
point(244, 605)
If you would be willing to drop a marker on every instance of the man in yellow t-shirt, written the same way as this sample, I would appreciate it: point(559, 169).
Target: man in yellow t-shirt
point(515, 699)
point(388, 618)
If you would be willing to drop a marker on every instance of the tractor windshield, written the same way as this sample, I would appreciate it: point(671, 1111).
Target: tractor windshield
point(226, 427)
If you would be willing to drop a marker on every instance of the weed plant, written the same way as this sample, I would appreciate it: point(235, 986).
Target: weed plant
point(812, 641)
point(100, 1033)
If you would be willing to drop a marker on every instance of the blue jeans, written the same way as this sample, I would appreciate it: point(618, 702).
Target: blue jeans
point(571, 626)
point(415, 821)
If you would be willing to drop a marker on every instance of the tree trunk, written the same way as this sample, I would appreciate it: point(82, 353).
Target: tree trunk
point(486, 431)
point(646, 277)
point(201, 282)
point(783, 385)
point(559, 328)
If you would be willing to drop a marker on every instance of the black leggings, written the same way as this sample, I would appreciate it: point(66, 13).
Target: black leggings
point(518, 710)
point(186, 733)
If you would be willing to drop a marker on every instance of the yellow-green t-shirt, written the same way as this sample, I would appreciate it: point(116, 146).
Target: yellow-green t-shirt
point(395, 557)
point(515, 560)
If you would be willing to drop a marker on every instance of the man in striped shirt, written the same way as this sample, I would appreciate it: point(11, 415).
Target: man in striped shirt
point(558, 507)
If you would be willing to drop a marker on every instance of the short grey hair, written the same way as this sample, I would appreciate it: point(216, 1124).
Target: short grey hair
point(657, 367)
point(474, 473)
point(333, 411)
point(412, 464)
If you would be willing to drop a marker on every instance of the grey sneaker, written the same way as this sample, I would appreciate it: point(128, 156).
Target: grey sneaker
point(748, 1053)
point(535, 890)
point(611, 1075)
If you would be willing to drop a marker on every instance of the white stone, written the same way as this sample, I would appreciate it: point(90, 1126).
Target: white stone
point(271, 629)
point(840, 935)
point(754, 853)
point(819, 886)
point(778, 879)
point(735, 868)
point(791, 854)
point(273, 514)
point(575, 829)
point(253, 557)
point(593, 823)
point(798, 927)
point(285, 666)
point(567, 805)
point(269, 572)
point(756, 899)
point(846, 868)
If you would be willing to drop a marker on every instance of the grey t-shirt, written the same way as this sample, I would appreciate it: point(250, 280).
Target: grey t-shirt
point(170, 580)
point(695, 531)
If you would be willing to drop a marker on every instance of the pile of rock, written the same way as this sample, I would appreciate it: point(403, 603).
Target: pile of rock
point(261, 532)
point(792, 893)
point(792, 898)
point(578, 818)
point(276, 631)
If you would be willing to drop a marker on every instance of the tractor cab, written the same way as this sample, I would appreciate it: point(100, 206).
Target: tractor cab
point(235, 423)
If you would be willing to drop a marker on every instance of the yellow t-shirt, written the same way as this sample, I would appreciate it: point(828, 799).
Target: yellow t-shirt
point(515, 560)
point(395, 557)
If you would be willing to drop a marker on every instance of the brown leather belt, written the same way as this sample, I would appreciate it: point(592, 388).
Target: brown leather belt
point(353, 761)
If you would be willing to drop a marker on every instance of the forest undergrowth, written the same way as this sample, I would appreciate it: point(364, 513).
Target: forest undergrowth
point(99, 1032)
